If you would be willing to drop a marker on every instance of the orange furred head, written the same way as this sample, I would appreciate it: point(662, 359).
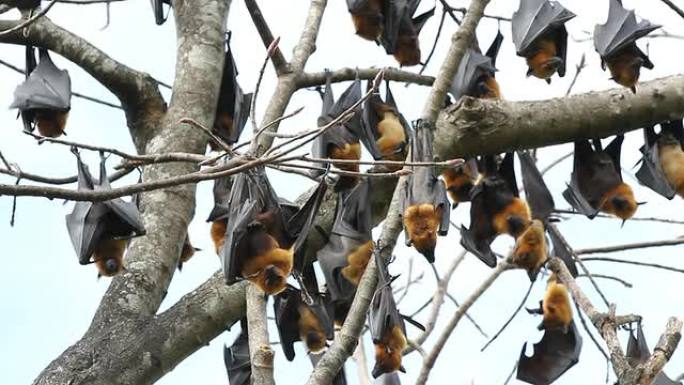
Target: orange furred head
point(487, 88)
point(544, 62)
point(556, 307)
point(422, 225)
point(407, 51)
point(513, 219)
point(108, 257)
point(620, 202)
point(269, 269)
point(51, 123)
point(531, 250)
point(310, 329)
point(625, 67)
point(388, 352)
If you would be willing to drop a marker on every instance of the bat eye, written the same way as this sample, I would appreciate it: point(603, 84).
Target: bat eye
point(112, 266)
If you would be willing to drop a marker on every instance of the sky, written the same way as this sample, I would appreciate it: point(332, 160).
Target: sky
point(47, 299)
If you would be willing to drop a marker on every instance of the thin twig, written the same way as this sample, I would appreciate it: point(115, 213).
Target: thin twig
point(646, 219)
point(578, 70)
point(252, 112)
point(510, 375)
point(29, 21)
point(467, 316)
point(674, 7)
point(463, 11)
point(510, 319)
point(586, 329)
point(654, 265)
point(608, 277)
point(225, 146)
point(630, 246)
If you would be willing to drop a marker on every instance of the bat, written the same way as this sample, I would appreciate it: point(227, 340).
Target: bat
point(531, 250)
point(555, 307)
point(297, 321)
point(260, 240)
point(44, 98)
point(475, 76)
point(460, 180)
point(340, 378)
point(495, 209)
point(344, 257)
point(406, 47)
point(233, 104)
point(341, 141)
point(187, 251)
point(385, 130)
point(553, 356)
point(540, 36)
point(158, 9)
point(637, 352)
point(596, 181)
point(100, 231)
point(23, 4)
point(368, 18)
point(662, 162)
point(387, 379)
point(219, 213)
point(615, 41)
point(386, 325)
point(425, 207)
point(237, 360)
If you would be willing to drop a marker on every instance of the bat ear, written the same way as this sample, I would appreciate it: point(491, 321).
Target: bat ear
point(641, 203)
point(402, 369)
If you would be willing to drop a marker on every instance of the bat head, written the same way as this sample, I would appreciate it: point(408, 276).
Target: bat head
point(388, 352)
point(273, 280)
point(514, 218)
point(620, 202)
point(422, 227)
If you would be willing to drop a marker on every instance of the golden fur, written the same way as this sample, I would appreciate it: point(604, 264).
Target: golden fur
point(392, 135)
point(531, 250)
point(517, 208)
point(556, 306)
point(538, 63)
point(493, 91)
point(280, 260)
point(310, 329)
point(458, 182)
point(672, 163)
point(51, 123)
point(368, 21)
point(109, 249)
point(351, 151)
point(422, 223)
point(625, 68)
point(624, 191)
point(357, 261)
point(407, 51)
point(218, 234)
point(388, 352)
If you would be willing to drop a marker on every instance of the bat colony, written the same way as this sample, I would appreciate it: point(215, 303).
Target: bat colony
point(259, 236)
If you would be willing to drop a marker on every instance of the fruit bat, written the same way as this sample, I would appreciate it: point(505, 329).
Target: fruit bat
point(637, 352)
point(475, 76)
point(460, 180)
point(555, 307)
point(237, 360)
point(187, 251)
point(495, 209)
point(158, 9)
point(596, 181)
point(340, 378)
point(387, 379)
point(260, 239)
point(662, 162)
point(404, 46)
point(233, 105)
point(344, 257)
point(340, 141)
point(615, 41)
point(553, 355)
point(540, 36)
point(386, 325)
point(385, 130)
point(99, 231)
point(368, 18)
point(297, 321)
point(424, 205)
point(44, 98)
point(23, 4)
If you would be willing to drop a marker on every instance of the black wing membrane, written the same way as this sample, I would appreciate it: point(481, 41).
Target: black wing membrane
point(620, 30)
point(562, 252)
point(637, 352)
point(473, 66)
point(553, 356)
point(388, 379)
point(158, 9)
point(539, 197)
point(651, 174)
point(232, 100)
point(237, 360)
point(285, 307)
point(90, 223)
point(370, 119)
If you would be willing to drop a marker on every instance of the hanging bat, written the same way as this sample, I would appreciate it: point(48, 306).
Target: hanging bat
point(44, 98)
point(233, 105)
point(553, 356)
point(260, 241)
point(368, 18)
point(100, 231)
point(460, 180)
point(386, 325)
point(340, 141)
point(158, 9)
point(187, 251)
point(637, 352)
point(596, 181)
point(475, 76)
point(401, 30)
point(540, 36)
point(662, 167)
point(344, 258)
point(495, 209)
point(385, 131)
point(340, 378)
point(387, 379)
point(424, 206)
point(219, 213)
point(237, 360)
point(297, 321)
point(615, 41)
point(555, 307)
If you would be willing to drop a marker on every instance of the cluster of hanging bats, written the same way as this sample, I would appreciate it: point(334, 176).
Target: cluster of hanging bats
point(260, 237)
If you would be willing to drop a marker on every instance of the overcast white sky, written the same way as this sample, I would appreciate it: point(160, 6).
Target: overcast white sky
point(47, 299)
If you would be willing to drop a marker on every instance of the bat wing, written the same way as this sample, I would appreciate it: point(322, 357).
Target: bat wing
point(332, 259)
point(472, 67)
point(285, 308)
point(369, 124)
point(387, 379)
point(354, 213)
point(389, 99)
point(356, 5)
point(393, 14)
point(507, 173)
point(582, 191)
point(650, 174)
point(637, 352)
point(237, 361)
point(221, 191)
point(533, 19)
point(232, 99)
point(158, 9)
point(85, 225)
point(319, 309)
point(239, 220)
point(562, 44)
point(613, 150)
point(620, 30)
point(493, 50)
point(441, 202)
point(420, 20)
point(537, 193)
point(340, 378)
point(348, 98)
point(383, 314)
point(47, 87)
point(562, 252)
point(553, 355)
point(300, 223)
point(478, 247)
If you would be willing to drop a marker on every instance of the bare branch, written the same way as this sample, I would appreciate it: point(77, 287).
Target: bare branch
point(279, 63)
point(630, 246)
point(259, 347)
point(28, 22)
point(674, 7)
point(647, 264)
point(348, 74)
point(646, 219)
point(510, 319)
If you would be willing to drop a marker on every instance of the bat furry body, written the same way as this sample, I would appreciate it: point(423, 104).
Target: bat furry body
point(531, 250)
point(556, 307)
point(388, 352)
point(459, 181)
point(357, 262)
point(422, 224)
point(268, 265)
point(368, 20)
point(620, 202)
point(310, 329)
point(50, 123)
point(672, 163)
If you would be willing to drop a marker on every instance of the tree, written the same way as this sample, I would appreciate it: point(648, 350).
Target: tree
point(130, 340)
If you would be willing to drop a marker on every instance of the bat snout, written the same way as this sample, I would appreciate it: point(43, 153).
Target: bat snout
point(272, 277)
point(516, 225)
point(314, 341)
point(112, 266)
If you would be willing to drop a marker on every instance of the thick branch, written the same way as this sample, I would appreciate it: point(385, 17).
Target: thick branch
point(261, 354)
point(486, 127)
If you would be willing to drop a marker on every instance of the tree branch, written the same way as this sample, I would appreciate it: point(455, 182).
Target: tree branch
point(347, 74)
point(261, 354)
point(279, 63)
